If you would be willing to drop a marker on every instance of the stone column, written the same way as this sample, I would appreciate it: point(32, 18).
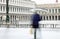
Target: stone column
point(54, 17)
point(42, 17)
point(57, 17)
point(48, 18)
point(2, 8)
point(45, 18)
point(48, 10)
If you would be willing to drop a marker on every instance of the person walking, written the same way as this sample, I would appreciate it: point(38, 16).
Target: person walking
point(35, 22)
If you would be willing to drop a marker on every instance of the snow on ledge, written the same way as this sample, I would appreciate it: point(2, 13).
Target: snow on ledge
point(42, 22)
point(49, 22)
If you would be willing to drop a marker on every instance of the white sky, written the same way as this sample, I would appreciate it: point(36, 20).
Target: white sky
point(46, 1)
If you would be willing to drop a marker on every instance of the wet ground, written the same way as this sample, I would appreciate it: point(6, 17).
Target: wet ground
point(24, 33)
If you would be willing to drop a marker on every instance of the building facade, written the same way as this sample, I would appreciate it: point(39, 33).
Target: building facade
point(19, 10)
point(49, 11)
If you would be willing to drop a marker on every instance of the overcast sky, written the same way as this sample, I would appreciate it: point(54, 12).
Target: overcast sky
point(46, 1)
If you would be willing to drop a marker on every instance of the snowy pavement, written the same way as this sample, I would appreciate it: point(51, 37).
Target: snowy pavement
point(24, 33)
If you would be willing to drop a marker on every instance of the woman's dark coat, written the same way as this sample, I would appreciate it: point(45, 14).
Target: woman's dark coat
point(35, 20)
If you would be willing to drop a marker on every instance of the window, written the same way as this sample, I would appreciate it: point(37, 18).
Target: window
point(55, 10)
point(47, 17)
point(59, 10)
point(17, 9)
point(44, 17)
point(11, 16)
point(59, 17)
point(21, 9)
point(52, 17)
point(15, 17)
point(26, 17)
point(13, 9)
point(1, 17)
point(21, 17)
point(52, 10)
point(1, 8)
point(55, 17)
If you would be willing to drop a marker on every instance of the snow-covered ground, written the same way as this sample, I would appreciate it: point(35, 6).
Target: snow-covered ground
point(24, 33)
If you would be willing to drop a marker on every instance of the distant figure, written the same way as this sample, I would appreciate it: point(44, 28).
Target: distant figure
point(35, 20)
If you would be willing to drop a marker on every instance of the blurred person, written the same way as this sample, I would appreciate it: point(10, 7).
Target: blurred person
point(35, 18)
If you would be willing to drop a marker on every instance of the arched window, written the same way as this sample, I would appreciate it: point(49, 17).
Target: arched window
point(1, 8)
point(15, 17)
point(59, 10)
point(58, 17)
point(52, 10)
point(47, 17)
point(52, 17)
point(55, 10)
point(55, 17)
point(44, 17)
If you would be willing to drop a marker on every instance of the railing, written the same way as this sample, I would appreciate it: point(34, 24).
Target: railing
point(16, 24)
point(29, 26)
